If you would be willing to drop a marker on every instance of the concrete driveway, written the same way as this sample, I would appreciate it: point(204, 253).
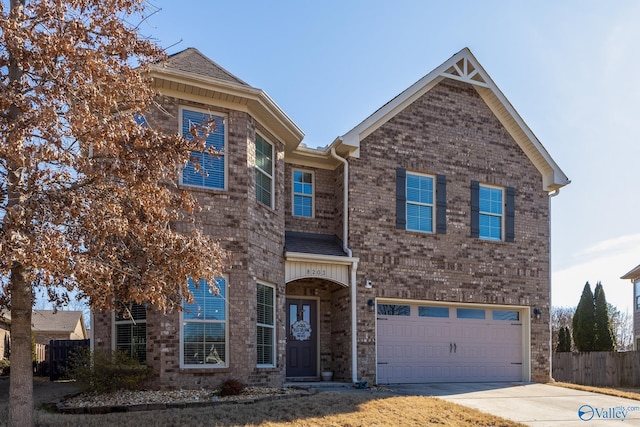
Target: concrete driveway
point(534, 404)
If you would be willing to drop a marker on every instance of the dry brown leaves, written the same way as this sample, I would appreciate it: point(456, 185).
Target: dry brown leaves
point(88, 197)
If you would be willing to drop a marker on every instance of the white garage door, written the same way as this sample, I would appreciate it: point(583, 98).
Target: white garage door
point(430, 343)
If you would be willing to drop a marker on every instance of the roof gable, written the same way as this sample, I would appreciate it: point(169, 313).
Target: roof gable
point(464, 67)
point(192, 60)
point(57, 321)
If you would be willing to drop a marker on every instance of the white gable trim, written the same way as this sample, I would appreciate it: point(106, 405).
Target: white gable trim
point(464, 67)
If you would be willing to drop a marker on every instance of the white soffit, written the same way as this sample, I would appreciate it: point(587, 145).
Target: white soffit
point(464, 67)
point(211, 90)
point(633, 274)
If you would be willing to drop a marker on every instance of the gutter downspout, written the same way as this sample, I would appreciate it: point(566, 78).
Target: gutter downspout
point(354, 265)
point(552, 194)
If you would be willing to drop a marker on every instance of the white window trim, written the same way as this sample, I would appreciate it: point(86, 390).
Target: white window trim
point(271, 174)
point(273, 356)
point(114, 324)
point(294, 194)
point(224, 116)
point(226, 335)
point(502, 215)
point(432, 205)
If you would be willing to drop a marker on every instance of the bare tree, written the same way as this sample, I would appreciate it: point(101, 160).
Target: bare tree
point(560, 317)
point(88, 196)
point(622, 325)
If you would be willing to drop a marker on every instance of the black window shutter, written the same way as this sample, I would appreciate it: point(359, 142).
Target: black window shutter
point(401, 198)
point(475, 209)
point(510, 215)
point(441, 204)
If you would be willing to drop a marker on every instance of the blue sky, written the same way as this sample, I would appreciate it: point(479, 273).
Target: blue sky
point(569, 68)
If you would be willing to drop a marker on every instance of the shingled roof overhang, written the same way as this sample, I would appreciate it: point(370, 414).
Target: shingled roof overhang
point(464, 67)
point(213, 91)
point(633, 274)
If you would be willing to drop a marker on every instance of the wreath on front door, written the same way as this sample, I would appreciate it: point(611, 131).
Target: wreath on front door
point(301, 330)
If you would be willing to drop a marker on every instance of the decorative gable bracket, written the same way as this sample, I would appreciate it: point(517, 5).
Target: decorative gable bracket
point(465, 71)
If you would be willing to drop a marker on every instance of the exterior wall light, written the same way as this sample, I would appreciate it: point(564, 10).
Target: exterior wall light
point(368, 284)
point(371, 304)
point(537, 312)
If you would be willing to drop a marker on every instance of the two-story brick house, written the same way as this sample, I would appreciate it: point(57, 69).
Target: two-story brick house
point(414, 248)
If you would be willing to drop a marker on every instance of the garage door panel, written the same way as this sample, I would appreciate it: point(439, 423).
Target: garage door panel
point(439, 349)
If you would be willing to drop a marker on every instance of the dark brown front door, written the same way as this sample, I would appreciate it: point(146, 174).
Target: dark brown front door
point(302, 338)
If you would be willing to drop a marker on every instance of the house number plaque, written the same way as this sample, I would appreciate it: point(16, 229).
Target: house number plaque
point(316, 272)
point(301, 330)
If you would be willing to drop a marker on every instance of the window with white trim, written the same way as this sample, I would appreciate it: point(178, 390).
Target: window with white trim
point(420, 202)
point(266, 325)
point(264, 171)
point(303, 193)
point(491, 212)
point(203, 331)
point(637, 294)
point(130, 324)
point(207, 168)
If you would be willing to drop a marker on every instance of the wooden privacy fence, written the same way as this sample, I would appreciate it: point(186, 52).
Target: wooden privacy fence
point(41, 352)
point(598, 368)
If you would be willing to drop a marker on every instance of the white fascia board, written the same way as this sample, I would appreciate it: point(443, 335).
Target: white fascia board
point(257, 99)
point(633, 274)
point(311, 158)
point(557, 178)
point(487, 89)
point(397, 104)
point(389, 110)
point(320, 259)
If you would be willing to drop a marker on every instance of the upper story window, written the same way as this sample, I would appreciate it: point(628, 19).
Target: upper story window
point(303, 194)
point(130, 324)
point(203, 330)
point(421, 202)
point(264, 171)
point(492, 212)
point(204, 169)
point(637, 294)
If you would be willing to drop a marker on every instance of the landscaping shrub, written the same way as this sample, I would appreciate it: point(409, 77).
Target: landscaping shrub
point(104, 371)
point(231, 387)
point(5, 367)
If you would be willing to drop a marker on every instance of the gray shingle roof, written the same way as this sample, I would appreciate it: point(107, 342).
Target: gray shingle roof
point(310, 243)
point(60, 321)
point(193, 61)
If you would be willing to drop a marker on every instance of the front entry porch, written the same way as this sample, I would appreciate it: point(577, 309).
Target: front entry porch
point(320, 274)
point(318, 330)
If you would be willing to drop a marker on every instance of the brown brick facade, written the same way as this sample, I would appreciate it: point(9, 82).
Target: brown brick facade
point(449, 130)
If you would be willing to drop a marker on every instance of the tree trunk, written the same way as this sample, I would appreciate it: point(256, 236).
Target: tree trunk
point(21, 376)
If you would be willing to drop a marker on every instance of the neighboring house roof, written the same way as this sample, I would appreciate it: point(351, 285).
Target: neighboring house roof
point(192, 76)
point(633, 274)
point(310, 243)
point(58, 322)
point(463, 67)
